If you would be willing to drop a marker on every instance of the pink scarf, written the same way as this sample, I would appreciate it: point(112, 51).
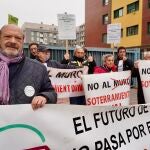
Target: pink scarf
point(4, 77)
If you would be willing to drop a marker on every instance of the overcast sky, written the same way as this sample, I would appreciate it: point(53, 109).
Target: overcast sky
point(38, 11)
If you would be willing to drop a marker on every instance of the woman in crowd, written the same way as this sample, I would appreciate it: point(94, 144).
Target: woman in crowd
point(108, 65)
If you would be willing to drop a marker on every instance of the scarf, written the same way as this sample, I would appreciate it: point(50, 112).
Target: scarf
point(4, 77)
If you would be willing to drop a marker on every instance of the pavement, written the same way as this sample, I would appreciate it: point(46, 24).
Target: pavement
point(133, 95)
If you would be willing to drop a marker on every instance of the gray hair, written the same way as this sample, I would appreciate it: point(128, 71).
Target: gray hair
point(106, 56)
point(76, 48)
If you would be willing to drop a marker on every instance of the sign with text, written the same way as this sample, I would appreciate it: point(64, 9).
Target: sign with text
point(70, 127)
point(66, 27)
point(144, 70)
point(67, 82)
point(113, 33)
point(107, 88)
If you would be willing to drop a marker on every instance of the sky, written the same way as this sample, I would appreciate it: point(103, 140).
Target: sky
point(38, 11)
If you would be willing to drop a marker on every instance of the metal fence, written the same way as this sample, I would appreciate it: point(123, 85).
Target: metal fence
point(57, 53)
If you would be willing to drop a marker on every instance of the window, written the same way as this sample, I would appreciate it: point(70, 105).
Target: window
point(104, 37)
point(105, 2)
point(37, 34)
point(50, 35)
point(37, 39)
point(121, 32)
point(32, 33)
point(118, 13)
point(105, 19)
point(133, 7)
point(148, 27)
point(148, 3)
point(32, 38)
point(45, 35)
point(133, 30)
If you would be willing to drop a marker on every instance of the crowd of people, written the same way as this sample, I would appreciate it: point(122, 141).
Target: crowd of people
point(25, 80)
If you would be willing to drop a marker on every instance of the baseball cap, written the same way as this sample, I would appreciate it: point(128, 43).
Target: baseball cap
point(43, 48)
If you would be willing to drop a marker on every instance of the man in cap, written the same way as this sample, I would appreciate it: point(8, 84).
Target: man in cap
point(43, 55)
point(22, 80)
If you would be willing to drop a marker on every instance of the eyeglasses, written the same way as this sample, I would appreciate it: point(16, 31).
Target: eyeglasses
point(33, 48)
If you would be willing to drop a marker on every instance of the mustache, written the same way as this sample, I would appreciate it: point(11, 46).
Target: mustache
point(12, 45)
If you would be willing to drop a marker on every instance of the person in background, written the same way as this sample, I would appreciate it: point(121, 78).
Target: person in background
point(122, 62)
point(33, 50)
point(43, 55)
point(108, 65)
point(79, 59)
point(135, 73)
point(22, 80)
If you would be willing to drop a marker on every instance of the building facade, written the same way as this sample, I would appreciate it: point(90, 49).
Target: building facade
point(80, 34)
point(48, 34)
point(146, 25)
point(41, 33)
point(134, 16)
point(97, 16)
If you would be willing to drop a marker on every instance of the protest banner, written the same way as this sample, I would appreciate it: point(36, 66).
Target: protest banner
point(67, 82)
point(107, 88)
point(144, 70)
point(66, 26)
point(72, 127)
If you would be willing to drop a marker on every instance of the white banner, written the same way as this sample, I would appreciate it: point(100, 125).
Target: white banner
point(107, 88)
point(70, 127)
point(144, 70)
point(113, 33)
point(66, 26)
point(67, 82)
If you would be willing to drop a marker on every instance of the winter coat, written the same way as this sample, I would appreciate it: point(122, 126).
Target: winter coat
point(27, 79)
point(78, 61)
point(104, 69)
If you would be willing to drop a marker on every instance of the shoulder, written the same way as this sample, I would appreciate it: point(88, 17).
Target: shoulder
point(129, 60)
point(33, 63)
point(53, 64)
point(98, 69)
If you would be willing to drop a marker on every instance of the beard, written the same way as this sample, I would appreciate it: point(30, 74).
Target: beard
point(11, 52)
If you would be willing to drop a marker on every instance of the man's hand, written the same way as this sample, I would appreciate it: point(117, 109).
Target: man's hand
point(67, 56)
point(90, 59)
point(124, 58)
point(38, 102)
point(136, 63)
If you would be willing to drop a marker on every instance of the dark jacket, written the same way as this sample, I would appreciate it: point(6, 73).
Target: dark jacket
point(76, 62)
point(32, 56)
point(140, 95)
point(29, 73)
point(127, 64)
point(55, 64)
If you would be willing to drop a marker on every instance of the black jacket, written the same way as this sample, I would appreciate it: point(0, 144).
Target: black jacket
point(29, 73)
point(140, 95)
point(75, 61)
point(55, 64)
point(127, 64)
